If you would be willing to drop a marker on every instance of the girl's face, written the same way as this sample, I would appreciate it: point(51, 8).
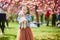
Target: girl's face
point(25, 11)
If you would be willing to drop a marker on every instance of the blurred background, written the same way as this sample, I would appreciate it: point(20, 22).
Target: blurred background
point(45, 16)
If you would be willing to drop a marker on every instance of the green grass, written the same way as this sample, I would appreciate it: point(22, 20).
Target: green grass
point(42, 33)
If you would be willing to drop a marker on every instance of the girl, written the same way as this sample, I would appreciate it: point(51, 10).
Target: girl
point(24, 32)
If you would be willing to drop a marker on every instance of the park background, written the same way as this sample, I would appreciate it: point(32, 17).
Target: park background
point(40, 33)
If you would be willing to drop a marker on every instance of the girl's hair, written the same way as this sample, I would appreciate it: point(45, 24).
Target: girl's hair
point(28, 11)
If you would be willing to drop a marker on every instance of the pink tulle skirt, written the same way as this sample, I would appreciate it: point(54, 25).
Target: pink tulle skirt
point(25, 34)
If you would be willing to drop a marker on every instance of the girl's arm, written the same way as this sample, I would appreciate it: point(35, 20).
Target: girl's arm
point(28, 17)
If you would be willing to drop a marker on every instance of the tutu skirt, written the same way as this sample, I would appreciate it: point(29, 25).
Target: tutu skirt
point(25, 34)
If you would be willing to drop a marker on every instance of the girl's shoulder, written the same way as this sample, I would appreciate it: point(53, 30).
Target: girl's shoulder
point(28, 14)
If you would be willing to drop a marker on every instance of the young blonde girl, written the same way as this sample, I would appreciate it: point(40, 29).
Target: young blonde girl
point(24, 32)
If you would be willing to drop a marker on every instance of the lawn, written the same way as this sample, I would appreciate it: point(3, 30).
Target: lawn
point(42, 33)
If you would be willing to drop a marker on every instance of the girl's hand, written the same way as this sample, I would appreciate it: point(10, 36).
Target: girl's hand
point(24, 25)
